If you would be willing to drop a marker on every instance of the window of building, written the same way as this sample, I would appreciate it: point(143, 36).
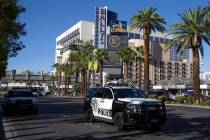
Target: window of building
point(137, 36)
point(156, 39)
point(166, 40)
point(151, 38)
point(162, 40)
point(131, 35)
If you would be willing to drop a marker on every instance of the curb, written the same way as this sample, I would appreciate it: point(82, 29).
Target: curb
point(193, 106)
point(68, 97)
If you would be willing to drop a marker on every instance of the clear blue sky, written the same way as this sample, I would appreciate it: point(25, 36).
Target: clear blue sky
point(46, 19)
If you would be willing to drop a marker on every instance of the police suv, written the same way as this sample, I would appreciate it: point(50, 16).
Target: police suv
point(123, 106)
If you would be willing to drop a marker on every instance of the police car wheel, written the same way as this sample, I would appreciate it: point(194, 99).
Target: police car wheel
point(90, 116)
point(119, 121)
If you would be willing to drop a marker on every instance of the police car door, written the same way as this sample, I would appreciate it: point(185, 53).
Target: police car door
point(106, 104)
point(97, 101)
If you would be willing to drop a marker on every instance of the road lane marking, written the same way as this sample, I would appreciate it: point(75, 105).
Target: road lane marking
point(9, 131)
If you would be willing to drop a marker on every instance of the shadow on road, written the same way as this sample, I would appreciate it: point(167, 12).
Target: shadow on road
point(176, 127)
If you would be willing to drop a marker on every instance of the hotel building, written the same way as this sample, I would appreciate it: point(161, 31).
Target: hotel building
point(83, 30)
point(112, 34)
point(163, 65)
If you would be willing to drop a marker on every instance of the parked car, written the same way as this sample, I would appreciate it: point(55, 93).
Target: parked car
point(19, 100)
point(123, 106)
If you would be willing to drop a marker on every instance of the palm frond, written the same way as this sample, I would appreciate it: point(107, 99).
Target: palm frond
point(147, 19)
point(191, 30)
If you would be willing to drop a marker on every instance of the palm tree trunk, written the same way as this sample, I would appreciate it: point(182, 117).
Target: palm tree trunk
point(196, 74)
point(129, 70)
point(53, 83)
point(88, 78)
point(76, 75)
point(83, 83)
point(65, 89)
point(146, 63)
point(138, 72)
point(86, 82)
point(68, 83)
point(101, 72)
point(126, 72)
point(59, 82)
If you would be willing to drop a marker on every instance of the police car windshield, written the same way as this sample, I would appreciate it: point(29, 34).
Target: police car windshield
point(128, 93)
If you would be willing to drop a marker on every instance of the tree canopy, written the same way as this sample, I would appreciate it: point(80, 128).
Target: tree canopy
point(11, 31)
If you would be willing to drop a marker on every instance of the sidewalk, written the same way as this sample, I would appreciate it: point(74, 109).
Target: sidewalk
point(184, 105)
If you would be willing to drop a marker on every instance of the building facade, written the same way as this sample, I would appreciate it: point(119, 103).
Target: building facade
point(163, 65)
point(112, 34)
point(83, 30)
point(26, 78)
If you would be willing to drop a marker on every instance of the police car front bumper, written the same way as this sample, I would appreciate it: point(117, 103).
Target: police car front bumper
point(145, 116)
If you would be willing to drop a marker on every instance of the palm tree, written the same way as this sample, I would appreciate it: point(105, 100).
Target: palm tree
point(126, 56)
point(207, 12)
point(147, 20)
point(191, 32)
point(100, 55)
point(84, 55)
point(67, 69)
point(52, 79)
point(58, 73)
point(139, 56)
point(74, 60)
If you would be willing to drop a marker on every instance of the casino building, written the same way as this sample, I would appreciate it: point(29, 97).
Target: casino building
point(163, 65)
point(113, 34)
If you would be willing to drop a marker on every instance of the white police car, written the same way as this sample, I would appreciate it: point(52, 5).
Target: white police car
point(123, 106)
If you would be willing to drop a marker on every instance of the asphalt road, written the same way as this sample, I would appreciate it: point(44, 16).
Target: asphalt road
point(63, 119)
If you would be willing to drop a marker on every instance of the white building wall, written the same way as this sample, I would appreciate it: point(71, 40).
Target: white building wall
point(86, 30)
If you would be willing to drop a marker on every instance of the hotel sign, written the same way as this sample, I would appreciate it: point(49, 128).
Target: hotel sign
point(120, 27)
point(102, 27)
point(114, 41)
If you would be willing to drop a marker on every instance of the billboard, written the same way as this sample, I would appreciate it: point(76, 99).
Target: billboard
point(118, 28)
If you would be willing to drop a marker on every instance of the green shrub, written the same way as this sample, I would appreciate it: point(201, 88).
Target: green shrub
point(189, 100)
point(153, 96)
point(169, 102)
point(206, 103)
point(180, 99)
point(162, 98)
